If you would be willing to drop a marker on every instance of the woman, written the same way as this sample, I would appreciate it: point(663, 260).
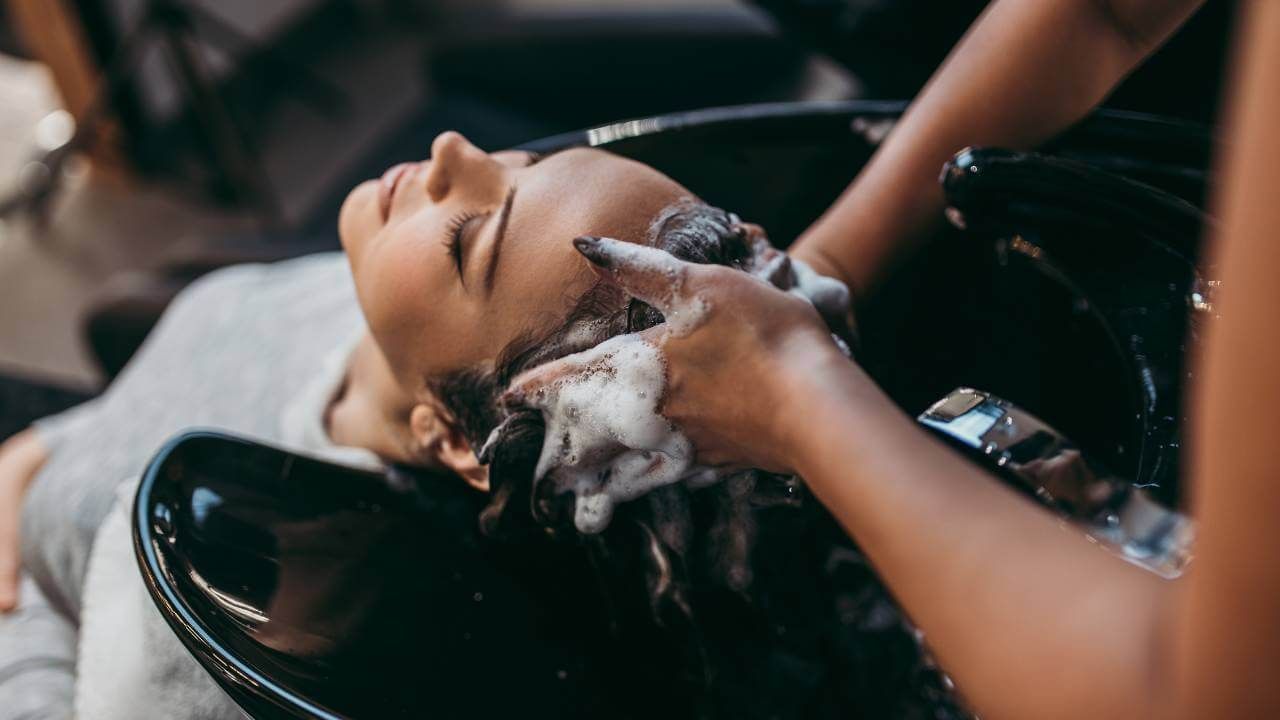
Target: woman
point(459, 268)
point(466, 245)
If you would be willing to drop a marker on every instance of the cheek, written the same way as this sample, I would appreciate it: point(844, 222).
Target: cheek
point(409, 298)
point(391, 309)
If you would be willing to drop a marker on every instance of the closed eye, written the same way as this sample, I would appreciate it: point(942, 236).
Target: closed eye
point(454, 233)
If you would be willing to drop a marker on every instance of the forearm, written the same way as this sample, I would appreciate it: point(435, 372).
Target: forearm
point(1026, 70)
point(1030, 618)
point(1228, 643)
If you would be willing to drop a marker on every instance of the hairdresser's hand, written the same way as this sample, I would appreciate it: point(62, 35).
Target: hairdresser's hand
point(21, 456)
point(737, 351)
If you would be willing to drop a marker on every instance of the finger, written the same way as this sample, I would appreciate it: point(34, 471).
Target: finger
point(654, 276)
point(530, 388)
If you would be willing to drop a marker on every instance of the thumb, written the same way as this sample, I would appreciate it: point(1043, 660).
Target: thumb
point(654, 276)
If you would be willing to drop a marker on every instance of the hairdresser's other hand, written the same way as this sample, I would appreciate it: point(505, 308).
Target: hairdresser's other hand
point(738, 352)
point(21, 456)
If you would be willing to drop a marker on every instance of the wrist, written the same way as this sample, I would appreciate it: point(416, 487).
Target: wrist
point(813, 386)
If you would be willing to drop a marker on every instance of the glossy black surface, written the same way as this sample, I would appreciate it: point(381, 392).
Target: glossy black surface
point(1125, 256)
point(312, 591)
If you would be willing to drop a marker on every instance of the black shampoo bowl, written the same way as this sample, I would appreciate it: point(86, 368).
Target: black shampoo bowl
point(309, 590)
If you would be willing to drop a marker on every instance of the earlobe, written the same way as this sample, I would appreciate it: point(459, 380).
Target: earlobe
point(455, 453)
point(441, 441)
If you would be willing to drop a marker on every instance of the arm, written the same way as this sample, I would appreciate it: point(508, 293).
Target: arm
point(1027, 70)
point(21, 457)
point(1228, 637)
point(1031, 619)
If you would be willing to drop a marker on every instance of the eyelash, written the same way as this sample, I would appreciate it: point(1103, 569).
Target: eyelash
point(453, 229)
point(453, 235)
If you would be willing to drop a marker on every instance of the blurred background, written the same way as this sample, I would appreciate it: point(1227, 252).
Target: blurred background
point(144, 142)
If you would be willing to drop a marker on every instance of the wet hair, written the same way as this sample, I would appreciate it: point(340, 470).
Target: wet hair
point(695, 565)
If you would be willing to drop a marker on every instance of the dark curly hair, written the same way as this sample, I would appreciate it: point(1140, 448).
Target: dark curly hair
point(763, 607)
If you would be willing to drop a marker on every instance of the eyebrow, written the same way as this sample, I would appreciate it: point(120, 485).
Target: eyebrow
point(504, 216)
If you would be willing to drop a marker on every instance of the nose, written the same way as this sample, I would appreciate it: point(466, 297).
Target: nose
point(457, 164)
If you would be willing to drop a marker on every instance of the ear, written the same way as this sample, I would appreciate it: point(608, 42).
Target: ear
point(753, 232)
point(441, 440)
point(755, 239)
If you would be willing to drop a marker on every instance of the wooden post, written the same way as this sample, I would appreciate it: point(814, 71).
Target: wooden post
point(53, 33)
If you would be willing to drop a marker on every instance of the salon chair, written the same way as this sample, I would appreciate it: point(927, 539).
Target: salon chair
point(1064, 296)
point(573, 67)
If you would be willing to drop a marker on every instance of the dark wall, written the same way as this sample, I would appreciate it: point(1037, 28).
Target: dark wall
point(893, 46)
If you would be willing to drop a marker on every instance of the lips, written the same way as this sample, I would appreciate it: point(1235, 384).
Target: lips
point(388, 185)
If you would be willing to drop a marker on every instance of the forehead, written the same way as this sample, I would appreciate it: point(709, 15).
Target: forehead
point(599, 193)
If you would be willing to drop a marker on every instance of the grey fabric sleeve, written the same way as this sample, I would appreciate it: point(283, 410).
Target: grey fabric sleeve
point(40, 529)
point(37, 660)
point(54, 429)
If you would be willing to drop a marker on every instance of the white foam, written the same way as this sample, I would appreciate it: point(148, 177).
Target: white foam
point(830, 296)
point(606, 442)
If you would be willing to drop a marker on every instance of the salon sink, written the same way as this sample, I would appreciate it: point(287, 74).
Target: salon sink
point(1068, 289)
point(311, 590)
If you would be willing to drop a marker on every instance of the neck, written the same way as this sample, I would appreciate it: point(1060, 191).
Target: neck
point(369, 411)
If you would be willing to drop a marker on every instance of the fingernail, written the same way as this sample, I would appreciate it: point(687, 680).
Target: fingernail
point(590, 248)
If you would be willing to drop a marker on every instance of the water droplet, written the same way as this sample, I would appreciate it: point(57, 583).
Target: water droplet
point(478, 597)
point(562, 674)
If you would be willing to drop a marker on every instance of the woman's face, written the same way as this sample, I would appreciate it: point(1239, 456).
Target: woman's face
point(456, 256)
